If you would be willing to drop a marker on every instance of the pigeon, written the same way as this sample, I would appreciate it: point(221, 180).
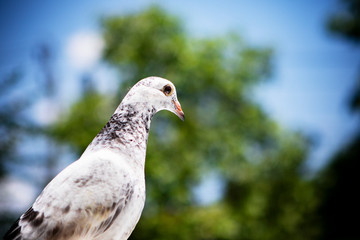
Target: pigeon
point(102, 194)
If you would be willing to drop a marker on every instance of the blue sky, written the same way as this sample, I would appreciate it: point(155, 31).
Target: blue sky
point(314, 71)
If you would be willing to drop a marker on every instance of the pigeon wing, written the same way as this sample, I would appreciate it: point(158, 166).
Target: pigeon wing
point(83, 200)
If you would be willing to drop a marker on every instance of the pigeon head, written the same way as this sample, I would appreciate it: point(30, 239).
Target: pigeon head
point(157, 93)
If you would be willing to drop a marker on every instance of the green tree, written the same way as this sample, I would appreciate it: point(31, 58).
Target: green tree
point(346, 22)
point(226, 132)
point(339, 209)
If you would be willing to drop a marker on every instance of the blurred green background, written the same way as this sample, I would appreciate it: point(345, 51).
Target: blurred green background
point(230, 171)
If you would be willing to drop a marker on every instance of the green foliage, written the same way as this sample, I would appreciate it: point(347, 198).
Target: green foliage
point(225, 131)
point(346, 22)
point(84, 120)
point(336, 183)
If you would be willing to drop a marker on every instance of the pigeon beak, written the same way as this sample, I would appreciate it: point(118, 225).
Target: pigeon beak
point(178, 110)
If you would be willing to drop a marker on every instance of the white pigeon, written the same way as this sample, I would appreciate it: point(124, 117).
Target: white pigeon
point(102, 194)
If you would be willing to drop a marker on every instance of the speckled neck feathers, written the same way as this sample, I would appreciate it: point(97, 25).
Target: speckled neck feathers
point(127, 130)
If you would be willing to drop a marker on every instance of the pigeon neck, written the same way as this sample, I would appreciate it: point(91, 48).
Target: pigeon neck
point(127, 131)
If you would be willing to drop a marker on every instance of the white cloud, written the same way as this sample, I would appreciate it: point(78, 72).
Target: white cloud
point(16, 195)
point(46, 111)
point(84, 49)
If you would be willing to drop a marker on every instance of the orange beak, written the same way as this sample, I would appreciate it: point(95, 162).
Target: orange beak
point(178, 110)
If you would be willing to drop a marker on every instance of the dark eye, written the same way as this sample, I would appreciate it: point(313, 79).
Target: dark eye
point(167, 90)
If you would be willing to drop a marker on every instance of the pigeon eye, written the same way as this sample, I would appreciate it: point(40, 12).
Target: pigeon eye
point(167, 90)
